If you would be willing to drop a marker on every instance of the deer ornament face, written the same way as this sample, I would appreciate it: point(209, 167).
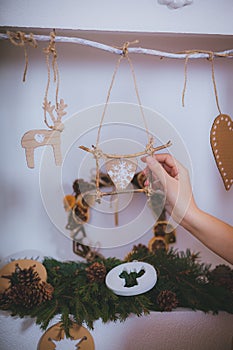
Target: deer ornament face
point(37, 138)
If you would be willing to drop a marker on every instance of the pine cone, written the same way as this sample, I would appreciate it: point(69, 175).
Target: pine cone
point(27, 296)
point(46, 291)
point(138, 252)
point(25, 276)
point(222, 275)
point(5, 302)
point(96, 272)
point(167, 300)
point(26, 289)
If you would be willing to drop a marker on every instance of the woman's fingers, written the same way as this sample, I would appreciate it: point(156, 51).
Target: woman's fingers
point(166, 161)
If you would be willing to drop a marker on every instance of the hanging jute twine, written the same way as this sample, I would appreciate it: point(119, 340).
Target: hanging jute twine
point(50, 51)
point(22, 40)
point(211, 59)
point(124, 54)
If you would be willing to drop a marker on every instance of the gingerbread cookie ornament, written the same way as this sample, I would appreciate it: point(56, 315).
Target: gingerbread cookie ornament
point(221, 139)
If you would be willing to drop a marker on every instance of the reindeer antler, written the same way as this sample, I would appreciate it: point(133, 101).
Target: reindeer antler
point(48, 108)
point(60, 109)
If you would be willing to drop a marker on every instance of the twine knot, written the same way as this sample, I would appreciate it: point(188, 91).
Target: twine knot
point(97, 153)
point(149, 147)
point(20, 39)
point(125, 47)
point(51, 48)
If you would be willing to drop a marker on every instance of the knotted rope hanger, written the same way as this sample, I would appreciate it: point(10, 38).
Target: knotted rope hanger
point(211, 59)
point(21, 39)
point(149, 147)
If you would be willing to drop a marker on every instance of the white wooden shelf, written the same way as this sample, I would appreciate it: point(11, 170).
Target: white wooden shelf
point(202, 17)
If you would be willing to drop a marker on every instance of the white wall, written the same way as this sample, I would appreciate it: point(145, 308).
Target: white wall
point(85, 77)
point(121, 15)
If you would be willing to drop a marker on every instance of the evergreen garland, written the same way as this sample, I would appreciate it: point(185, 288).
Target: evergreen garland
point(182, 281)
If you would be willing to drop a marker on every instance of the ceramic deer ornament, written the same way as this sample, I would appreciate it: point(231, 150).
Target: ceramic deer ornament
point(37, 138)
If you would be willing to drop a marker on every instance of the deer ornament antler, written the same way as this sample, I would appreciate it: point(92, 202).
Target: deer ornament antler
point(40, 137)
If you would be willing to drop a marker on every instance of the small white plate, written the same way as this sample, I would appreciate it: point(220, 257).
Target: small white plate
point(145, 282)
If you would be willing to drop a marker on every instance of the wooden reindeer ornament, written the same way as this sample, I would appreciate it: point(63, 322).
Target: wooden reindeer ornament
point(37, 138)
point(40, 137)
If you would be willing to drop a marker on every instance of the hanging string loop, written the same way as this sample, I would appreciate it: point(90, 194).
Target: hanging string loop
point(50, 50)
point(211, 59)
point(124, 54)
point(22, 40)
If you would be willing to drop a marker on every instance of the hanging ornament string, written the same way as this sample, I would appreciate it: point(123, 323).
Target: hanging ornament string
point(22, 40)
point(51, 51)
point(211, 59)
point(185, 77)
point(123, 55)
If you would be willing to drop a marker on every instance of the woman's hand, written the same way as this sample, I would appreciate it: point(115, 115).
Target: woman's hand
point(174, 178)
point(175, 181)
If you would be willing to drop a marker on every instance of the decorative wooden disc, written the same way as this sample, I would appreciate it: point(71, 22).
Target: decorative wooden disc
point(121, 171)
point(23, 264)
point(221, 139)
point(56, 333)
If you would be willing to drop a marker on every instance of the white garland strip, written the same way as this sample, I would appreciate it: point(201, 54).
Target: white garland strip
point(137, 50)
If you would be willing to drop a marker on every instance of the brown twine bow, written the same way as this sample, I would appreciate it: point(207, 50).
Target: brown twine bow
point(211, 59)
point(21, 39)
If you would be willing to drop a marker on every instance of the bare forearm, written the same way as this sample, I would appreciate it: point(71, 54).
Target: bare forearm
point(212, 232)
point(174, 177)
